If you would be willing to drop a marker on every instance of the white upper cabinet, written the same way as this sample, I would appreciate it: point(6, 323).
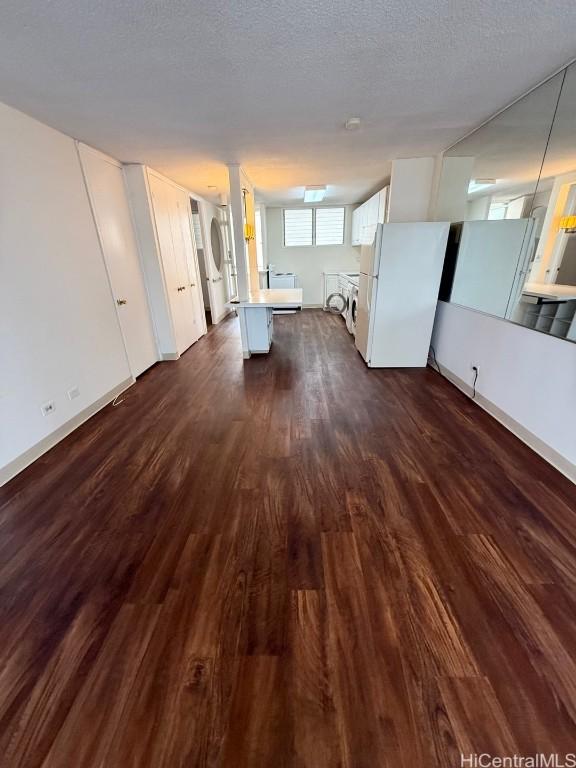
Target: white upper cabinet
point(367, 216)
point(162, 216)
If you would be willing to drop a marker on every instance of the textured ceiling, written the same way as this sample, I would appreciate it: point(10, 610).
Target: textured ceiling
point(188, 86)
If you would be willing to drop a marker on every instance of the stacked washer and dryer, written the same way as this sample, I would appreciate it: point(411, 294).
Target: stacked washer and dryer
point(348, 287)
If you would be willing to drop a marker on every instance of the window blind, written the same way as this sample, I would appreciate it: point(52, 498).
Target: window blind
point(298, 226)
point(329, 226)
point(197, 230)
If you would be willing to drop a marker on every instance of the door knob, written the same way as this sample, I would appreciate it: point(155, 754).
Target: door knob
point(120, 302)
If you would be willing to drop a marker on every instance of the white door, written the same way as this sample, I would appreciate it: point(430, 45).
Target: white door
point(367, 291)
point(105, 184)
point(215, 257)
point(190, 268)
point(167, 228)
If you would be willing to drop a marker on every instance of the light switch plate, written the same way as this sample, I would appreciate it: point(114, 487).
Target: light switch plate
point(73, 393)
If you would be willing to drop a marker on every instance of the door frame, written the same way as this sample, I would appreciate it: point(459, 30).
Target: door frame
point(209, 266)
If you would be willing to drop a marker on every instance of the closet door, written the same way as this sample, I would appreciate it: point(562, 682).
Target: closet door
point(189, 322)
point(105, 184)
point(165, 215)
point(192, 267)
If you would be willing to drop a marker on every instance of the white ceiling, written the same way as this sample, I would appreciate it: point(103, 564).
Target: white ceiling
point(188, 86)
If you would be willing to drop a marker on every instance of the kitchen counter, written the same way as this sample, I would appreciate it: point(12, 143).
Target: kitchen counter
point(256, 316)
point(287, 298)
point(550, 291)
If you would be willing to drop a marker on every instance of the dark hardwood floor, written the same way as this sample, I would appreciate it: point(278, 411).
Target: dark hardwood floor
point(292, 561)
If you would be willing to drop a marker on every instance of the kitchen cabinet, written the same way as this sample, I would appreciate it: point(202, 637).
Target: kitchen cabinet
point(367, 216)
point(259, 329)
point(256, 316)
point(162, 217)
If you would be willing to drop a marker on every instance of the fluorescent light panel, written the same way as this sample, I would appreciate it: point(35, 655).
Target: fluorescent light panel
point(477, 184)
point(314, 194)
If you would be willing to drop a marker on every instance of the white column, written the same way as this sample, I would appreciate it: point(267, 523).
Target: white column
point(452, 199)
point(237, 207)
point(411, 184)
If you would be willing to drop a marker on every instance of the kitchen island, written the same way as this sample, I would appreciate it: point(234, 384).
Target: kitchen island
point(550, 291)
point(256, 316)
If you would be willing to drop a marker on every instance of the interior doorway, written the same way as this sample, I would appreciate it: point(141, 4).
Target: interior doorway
point(209, 225)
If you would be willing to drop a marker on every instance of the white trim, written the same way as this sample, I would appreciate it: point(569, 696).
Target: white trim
point(98, 153)
point(48, 442)
point(549, 454)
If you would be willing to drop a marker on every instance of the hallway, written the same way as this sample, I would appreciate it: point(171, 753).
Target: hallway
point(288, 561)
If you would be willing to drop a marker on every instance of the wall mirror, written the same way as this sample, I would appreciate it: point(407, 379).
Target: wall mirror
point(216, 243)
point(510, 189)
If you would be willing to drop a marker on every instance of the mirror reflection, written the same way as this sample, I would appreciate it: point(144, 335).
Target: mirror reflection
point(510, 188)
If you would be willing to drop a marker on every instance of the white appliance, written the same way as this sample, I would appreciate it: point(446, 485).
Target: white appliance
point(397, 293)
point(352, 307)
point(282, 280)
point(492, 263)
point(344, 289)
point(346, 282)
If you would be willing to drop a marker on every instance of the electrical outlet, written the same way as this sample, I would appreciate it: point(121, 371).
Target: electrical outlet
point(48, 408)
point(73, 393)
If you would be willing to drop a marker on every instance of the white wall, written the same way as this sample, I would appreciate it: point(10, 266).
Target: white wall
point(451, 201)
point(58, 325)
point(309, 263)
point(411, 189)
point(529, 376)
point(478, 209)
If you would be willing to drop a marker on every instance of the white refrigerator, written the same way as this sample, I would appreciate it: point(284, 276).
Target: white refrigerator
point(397, 294)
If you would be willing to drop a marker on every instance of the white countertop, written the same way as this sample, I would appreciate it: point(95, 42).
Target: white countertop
point(272, 297)
point(550, 291)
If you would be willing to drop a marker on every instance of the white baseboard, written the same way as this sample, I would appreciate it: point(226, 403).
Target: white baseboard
point(551, 455)
point(29, 456)
point(170, 356)
point(221, 316)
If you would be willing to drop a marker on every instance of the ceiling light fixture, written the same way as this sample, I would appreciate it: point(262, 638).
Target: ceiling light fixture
point(352, 124)
point(314, 194)
point(477, 184)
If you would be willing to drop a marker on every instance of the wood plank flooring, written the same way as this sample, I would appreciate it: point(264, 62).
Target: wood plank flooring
point(292, 561)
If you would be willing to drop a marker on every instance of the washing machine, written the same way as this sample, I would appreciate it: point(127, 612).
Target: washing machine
point(352, 309)
point(344, 289)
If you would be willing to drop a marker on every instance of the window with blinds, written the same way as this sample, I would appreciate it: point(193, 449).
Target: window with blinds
point(313, 226)
point(298, 226)
point(197, 230)
point(329, 226)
